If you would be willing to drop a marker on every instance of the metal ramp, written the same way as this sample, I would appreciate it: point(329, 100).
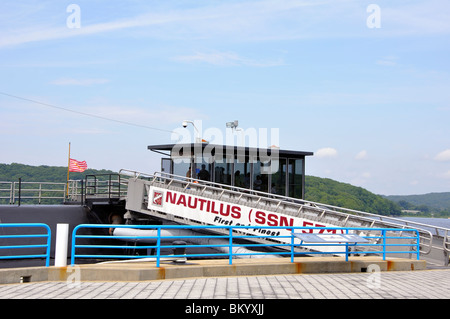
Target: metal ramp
point(194, 202)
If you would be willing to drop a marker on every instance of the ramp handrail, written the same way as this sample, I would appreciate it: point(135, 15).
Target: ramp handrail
point(47, 236)
point(104, 184)
point(233, 234)
point(277, 198)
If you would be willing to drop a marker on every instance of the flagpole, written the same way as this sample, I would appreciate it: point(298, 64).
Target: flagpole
point(68, 173)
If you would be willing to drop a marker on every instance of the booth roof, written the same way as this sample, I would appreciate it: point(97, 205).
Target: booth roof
point(236, 149)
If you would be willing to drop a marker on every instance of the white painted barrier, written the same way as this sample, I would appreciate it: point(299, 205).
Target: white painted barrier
point(62, 239)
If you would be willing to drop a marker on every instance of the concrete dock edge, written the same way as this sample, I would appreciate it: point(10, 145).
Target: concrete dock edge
point(146, 271)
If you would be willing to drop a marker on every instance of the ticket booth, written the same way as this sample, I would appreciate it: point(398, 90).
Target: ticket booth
point(269, 170)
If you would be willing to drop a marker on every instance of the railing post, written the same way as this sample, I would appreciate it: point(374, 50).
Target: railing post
point(20, 190)
point(158, 247)
point(11, 194)
point(109, 187)
point(383, 233)
point(40, 193)
point(346, 247)
point(72, 252)
point(119, 187)
point(230, 249)
point(418, 244)
point(82, 192)
point(49, 240)
point(292, 245)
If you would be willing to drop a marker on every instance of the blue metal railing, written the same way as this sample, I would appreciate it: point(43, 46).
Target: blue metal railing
point(46, 246)
point(378, 244)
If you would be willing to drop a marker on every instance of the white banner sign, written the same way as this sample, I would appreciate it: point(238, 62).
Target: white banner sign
point(216, 212)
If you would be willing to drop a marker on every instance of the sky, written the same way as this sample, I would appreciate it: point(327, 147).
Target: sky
point(365, 85)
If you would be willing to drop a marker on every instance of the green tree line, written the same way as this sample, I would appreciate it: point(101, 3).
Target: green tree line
point(331, 192)
point(57, 174)
point(40, 174)
point(423, 210)
point(431, 204)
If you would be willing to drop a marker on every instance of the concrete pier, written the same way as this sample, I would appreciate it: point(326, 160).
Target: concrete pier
point(144, 271)
point(215, 283)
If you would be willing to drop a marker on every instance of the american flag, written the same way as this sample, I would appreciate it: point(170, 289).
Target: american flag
point(77, 166)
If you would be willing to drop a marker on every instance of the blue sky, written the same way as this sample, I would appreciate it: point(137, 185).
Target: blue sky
point(372, 103)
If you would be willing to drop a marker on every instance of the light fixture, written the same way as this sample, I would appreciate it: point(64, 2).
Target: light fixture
point(234, 127)
point(198, 139)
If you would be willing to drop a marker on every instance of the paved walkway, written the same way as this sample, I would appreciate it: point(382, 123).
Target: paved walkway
point(426, 284)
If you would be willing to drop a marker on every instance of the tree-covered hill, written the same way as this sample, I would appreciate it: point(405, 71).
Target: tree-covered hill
point(328, 191)
point(12, 173)
point(426, 203)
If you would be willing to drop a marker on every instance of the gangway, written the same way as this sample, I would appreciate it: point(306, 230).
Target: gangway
point(189, 201)
point(139, 192)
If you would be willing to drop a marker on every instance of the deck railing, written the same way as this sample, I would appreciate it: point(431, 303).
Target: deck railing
point(101, 186)
point(18, 240)
point(381, 241)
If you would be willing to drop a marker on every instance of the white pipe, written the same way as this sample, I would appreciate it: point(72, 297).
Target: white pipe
point(62, 239)
point(181, 233)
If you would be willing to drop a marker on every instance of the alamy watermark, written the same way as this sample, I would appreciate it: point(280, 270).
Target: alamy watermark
point(73, 21)
point(74, 279)
point(374, 280)
point(374, 19)
point(211, 145)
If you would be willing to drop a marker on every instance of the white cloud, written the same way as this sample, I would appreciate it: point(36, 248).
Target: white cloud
point(81, 82)
point(243, 20)
point(226, 59)
point(361, 155)
point(447, 175)
point(388, 61)
point(443, 156)
point(366, 175)
point(423, 17)
point(209, 21)
point(361, 179)
point(326, 152)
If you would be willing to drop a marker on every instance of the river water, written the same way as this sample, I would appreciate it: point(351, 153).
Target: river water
point(439, 222)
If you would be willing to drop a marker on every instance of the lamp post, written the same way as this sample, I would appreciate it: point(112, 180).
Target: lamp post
point(198, 139)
